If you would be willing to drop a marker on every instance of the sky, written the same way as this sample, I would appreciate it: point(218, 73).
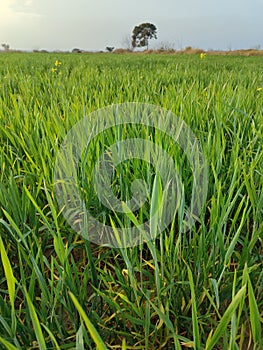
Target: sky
point(95, 24)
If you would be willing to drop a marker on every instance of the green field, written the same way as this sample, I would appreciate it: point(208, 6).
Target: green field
point(201, 289)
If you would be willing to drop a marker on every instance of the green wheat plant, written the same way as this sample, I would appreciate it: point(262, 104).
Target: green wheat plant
point(200, 289)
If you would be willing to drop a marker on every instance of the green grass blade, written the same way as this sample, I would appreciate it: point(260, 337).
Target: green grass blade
point(237, 234)
point(54, 341)
point(197, 344)
point(156, 200)
point(254, 315)
point(8, 345)
point(92, 330)
point(35, 322)
point(79, 338)
point(168, 323)
point(220, 329)
point(11, 281)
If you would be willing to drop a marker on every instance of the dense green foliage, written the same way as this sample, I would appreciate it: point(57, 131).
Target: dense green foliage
point(202, 289)
point(142, 33)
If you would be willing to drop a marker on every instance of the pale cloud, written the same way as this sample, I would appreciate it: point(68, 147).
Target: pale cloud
point(13, 11)
point(6, 13)
point(17, 23)
point(28, 14)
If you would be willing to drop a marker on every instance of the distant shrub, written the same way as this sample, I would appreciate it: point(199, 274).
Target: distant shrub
point(122, 51)
point(110, 48)
point(190, 50)
point(76, 50)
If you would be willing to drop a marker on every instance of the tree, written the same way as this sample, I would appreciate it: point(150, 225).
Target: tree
point(110, 48)
point(76, 50)
point(142, 33)
point(6, 47)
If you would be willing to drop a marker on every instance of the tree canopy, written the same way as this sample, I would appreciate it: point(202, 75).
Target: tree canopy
point(142, 34)
point(6, 47)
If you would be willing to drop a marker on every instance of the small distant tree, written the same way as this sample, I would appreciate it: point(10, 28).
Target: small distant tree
point(110, 48)
point(76, 50)
point(6, 47)
point(142, 34)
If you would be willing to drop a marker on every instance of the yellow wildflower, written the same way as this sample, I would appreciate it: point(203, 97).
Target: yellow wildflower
point(202, 55)
point(57, 63)
point(54, 70)
point(259, 88)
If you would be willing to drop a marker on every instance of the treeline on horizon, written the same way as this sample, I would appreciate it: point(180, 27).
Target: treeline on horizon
point(188, 50)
